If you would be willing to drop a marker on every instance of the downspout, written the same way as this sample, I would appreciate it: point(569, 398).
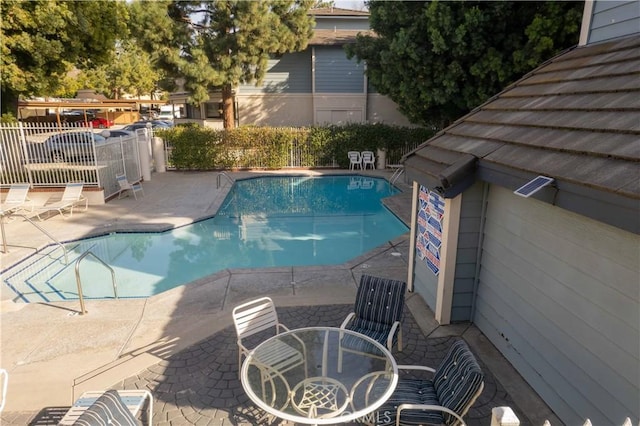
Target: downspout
point(476, 275)
point(313, 84)
point(412, 236)
point(366, 96)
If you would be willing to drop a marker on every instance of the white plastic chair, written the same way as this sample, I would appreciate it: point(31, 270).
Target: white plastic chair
point(126, 186)
point(354, 160)
point(368, 159)
point(258, 316)
point(5, 382)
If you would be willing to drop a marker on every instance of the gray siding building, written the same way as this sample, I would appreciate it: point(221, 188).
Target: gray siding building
point(314, 87)
point(552, 278)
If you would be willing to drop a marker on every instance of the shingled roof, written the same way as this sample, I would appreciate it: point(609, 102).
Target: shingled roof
point(576, 119)
point(337, 11)
point(336, 37)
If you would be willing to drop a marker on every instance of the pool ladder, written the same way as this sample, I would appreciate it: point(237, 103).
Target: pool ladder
point(225, 175)
point(396, 174)
point(79, 281)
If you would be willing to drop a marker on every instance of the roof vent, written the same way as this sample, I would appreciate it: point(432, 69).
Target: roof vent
point(533, 186)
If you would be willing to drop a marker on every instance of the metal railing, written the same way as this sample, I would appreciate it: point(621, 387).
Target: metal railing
point(396, 174)
point(44, 231)
point(79, 281)
point(48, 155)
point(225, 175)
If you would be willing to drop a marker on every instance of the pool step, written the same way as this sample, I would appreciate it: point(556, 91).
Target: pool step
point(31, 279)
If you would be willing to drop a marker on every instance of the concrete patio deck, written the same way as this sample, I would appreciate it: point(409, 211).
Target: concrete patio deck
point(180, 344)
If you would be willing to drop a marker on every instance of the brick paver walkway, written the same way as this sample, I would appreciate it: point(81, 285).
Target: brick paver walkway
point(200, 385)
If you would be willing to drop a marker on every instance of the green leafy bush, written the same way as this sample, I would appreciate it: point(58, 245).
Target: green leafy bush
point(248, 147)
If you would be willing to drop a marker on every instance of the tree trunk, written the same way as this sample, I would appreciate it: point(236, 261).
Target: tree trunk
point(228, 108)
point(9, 102)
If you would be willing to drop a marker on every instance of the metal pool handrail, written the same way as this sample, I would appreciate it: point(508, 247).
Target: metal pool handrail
point(79, 283)
point(225, 175)
point(4, 239)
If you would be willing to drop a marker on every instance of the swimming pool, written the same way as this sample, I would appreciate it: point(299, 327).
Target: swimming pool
point(263, 222)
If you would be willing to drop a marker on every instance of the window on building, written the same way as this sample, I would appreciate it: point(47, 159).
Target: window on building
point(214, 109)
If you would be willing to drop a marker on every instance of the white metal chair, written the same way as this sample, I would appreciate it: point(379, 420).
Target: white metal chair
point(5, 383)
point(354, 160)
point(259, 316)
point(109, 407)
point(368, 159)
point(126, 186)
point(71, 197)
point(16, 199)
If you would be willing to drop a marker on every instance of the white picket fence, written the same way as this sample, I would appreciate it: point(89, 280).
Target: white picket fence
point(504, 416)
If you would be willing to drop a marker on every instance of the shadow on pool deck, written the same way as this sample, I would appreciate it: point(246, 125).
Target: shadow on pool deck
point(181, 344)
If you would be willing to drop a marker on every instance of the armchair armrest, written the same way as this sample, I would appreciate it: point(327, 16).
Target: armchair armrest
point(281, 326)
point(427, 407)
point(243, 349)
point(392, 332)
point(304, 347)
point(416, 367)
point(347, 320)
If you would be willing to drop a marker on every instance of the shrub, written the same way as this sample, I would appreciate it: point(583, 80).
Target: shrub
point(201, 148)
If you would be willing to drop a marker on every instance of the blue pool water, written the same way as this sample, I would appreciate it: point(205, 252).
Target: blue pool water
point(263, 222)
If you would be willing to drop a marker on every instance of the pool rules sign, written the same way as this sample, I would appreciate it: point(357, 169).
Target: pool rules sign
point(429, 235)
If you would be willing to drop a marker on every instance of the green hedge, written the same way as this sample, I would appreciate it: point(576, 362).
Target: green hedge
point(194, 147)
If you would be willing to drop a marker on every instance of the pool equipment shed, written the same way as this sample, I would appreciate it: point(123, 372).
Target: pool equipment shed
point(550, 275)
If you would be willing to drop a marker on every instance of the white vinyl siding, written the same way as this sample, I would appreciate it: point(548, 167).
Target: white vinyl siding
point(559, 297)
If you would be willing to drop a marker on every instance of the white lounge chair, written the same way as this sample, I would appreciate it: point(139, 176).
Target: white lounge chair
point(71, 197)
point(126, 186)
point(109, 407)
point(16, 199)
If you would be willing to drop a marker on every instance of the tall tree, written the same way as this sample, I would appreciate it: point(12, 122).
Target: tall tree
point(219, 45)
point(42, 39)
point(439, 60)
point(130, 70)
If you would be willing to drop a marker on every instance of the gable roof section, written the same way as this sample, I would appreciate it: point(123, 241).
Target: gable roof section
point(575, 119)
point(336, 11)
point(336, 37)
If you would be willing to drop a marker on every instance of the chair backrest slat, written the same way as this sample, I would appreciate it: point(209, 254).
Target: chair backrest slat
point(353, 155)
point(255, 316)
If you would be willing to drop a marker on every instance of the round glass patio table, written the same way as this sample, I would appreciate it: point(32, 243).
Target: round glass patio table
point(303, 376)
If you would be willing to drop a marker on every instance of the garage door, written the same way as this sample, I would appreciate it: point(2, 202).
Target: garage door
point(558, 296)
